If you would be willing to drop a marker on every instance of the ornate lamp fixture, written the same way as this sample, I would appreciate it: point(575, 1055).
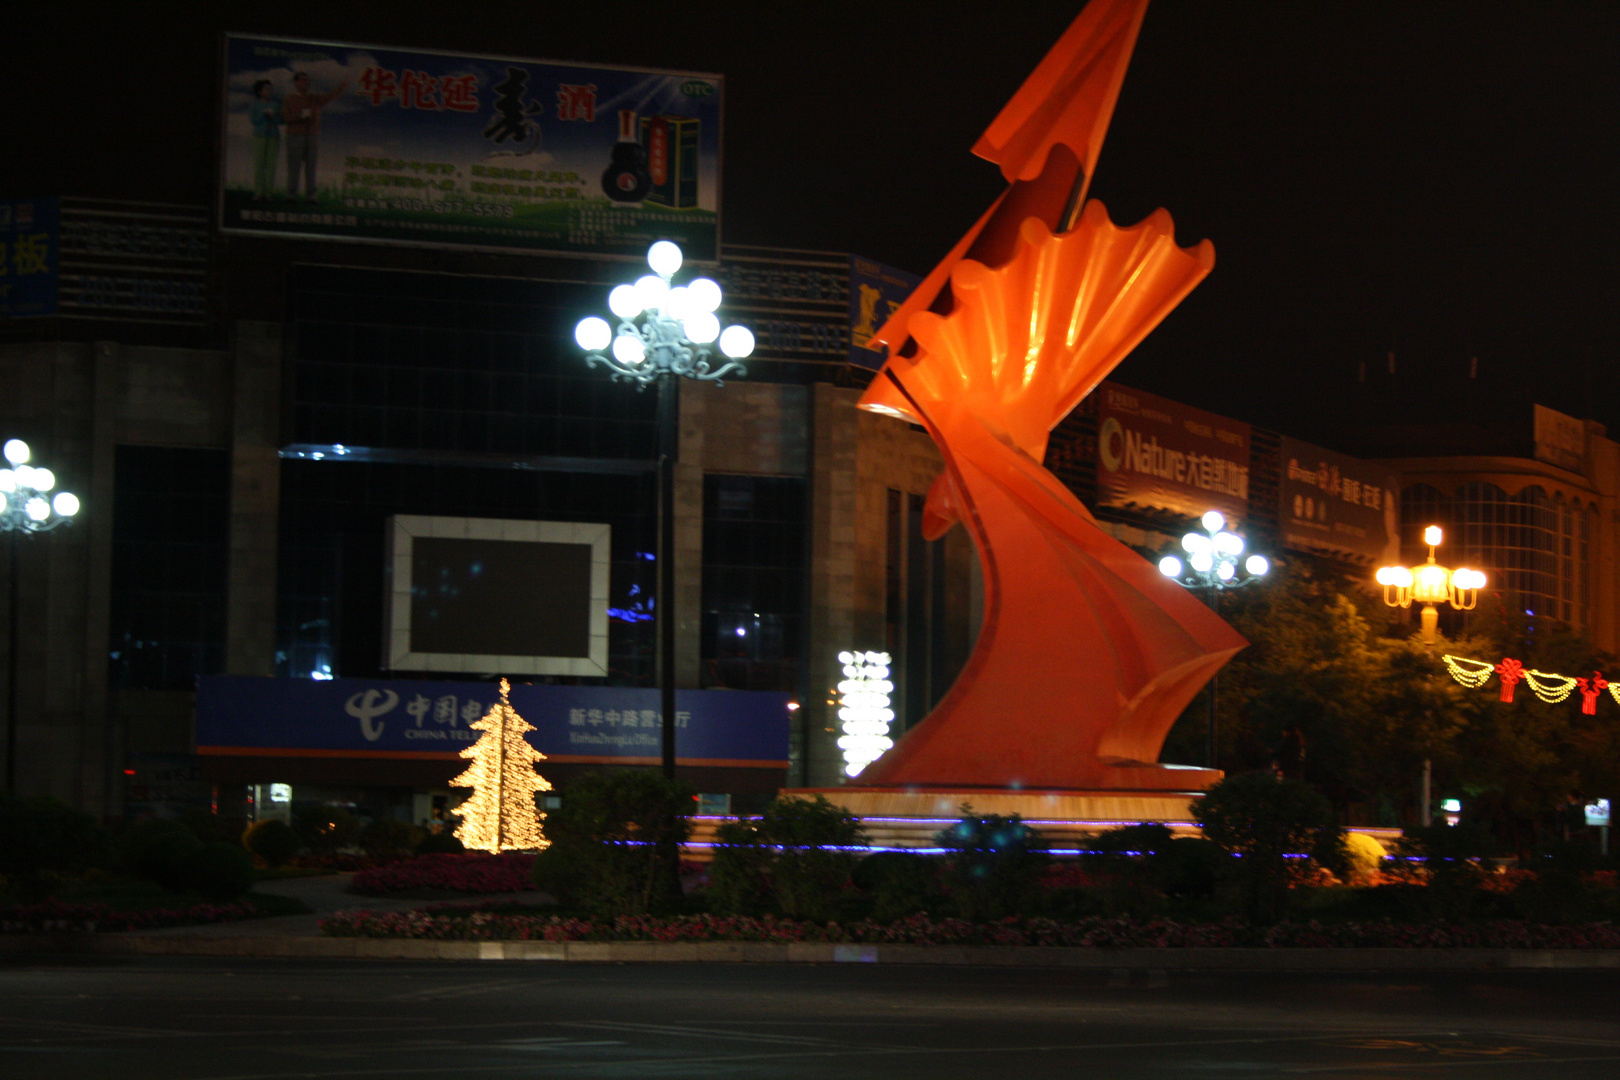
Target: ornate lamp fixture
point(1431, 584)
point(664, 329)
point(1212, 559)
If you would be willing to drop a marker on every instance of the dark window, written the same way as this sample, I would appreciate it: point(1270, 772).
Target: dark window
point(755, 542)
point(170, 542)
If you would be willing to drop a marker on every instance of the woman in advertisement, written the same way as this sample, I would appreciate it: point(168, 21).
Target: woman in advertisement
point(265, 112)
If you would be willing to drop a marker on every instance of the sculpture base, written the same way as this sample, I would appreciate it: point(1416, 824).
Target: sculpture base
point(909, 817)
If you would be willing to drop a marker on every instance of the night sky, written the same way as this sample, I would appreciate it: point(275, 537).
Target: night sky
point(1436, 179)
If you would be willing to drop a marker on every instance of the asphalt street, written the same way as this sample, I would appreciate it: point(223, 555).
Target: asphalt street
point(204, 1019)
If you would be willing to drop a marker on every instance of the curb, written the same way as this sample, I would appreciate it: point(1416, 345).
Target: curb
point(813, 952)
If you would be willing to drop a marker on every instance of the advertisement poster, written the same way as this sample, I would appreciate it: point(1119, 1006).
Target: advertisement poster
point(29, 249)
point(358, 143)
point(1160, 454)
point(875, 291)
point(408, 718)
point(1336, 504)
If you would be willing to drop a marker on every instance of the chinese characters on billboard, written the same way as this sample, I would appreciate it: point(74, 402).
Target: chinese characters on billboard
point(28, 257)
point(353, 142)
point(1157, 453)
point(1336, 504)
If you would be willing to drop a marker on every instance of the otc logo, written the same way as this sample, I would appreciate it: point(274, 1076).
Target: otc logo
point(1111, 445)
point(697, 88)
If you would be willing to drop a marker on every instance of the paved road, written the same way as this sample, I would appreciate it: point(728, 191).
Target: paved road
point(199, 1019)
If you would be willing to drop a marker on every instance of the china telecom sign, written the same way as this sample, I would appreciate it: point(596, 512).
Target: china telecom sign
point(1156, 453)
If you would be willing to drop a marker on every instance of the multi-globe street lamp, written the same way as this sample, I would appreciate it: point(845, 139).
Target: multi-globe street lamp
point(26, 506)
point(665, 333)
point(1213, 564)
point(1430, 584)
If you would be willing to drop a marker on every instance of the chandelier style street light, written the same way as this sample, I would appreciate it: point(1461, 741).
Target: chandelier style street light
point(1430, 584)
point(26, 506)
point(666, 333)
point(1213, 564)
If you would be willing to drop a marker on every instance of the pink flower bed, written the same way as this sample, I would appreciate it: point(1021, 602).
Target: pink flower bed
point(472, 872)
point(471, 924)
point(53, 916)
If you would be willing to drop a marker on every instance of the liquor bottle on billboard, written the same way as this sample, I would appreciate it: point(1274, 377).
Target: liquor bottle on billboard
point(627, 179)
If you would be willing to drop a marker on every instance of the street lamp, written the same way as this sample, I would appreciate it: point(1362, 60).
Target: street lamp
point(1430, 584)
point(26, 506)
point(1213, 565)
point(665, 333)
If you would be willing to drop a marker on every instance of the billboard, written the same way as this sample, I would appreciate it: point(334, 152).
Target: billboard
point(29, 255)
point(352, 142)
point(875, 291)
point(242, 715)
point(1560, 439)
point(1160, 454)
point(1336, 504)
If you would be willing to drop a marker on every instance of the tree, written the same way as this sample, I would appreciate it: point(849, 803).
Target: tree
point(1270, 825)
point(618, 837)
point(501, 814)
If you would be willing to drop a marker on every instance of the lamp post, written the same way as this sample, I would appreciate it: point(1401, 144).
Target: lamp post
point(665, 333)
point(1213, 565)
point(26, 506)
point(1430, 584)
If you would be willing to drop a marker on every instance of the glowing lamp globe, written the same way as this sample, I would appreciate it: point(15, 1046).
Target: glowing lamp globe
point(701, 327)
point(629, 350)
point(651, 290)
point(1229, 543)
point(1213, 521)
point(37, 508)
point(1431, 536)
point(1225, 571)
point(1170, 566)
point(664, 257)
point(8, 480)
point(624, 301)
point(1256, 565)
point(16, 451)
point(1201, 561)
point(66, 504)
point(1193, 543)
point(705, 294)
point(737, 341)
point(593, 334)
point(678, 303)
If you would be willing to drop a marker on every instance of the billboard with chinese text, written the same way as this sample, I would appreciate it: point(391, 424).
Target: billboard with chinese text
point(400, 718)
point(1336, 504)
point(29, 251)
point(1163, 455)
point(360, 143)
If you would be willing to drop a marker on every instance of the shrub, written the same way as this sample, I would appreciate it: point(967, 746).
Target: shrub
point(615, 842)
point(1561, 889)
point(325, 829)
point(218, 870)
point(161, 851)
point(1364, 855)
point(1454, 862)
point(386, 839)
point(796, 854)
point(901, 883)
point(995, 866)
point(443, 842)
point(1277, 828)
point(40, 838)
point(272, 840)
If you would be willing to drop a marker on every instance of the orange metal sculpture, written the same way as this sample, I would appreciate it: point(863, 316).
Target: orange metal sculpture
point(1087, 654)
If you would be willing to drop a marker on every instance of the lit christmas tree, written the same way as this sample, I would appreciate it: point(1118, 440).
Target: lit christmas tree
point(501, 814)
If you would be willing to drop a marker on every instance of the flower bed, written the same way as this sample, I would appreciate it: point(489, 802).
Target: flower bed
point(468, 873)
point(471, 924)
point(54, 916)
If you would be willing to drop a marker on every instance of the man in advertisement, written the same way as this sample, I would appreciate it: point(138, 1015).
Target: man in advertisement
point(301, 112)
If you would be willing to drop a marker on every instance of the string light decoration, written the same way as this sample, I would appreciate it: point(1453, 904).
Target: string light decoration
point(1549, 686)
point(864, 709)
point(501, 815)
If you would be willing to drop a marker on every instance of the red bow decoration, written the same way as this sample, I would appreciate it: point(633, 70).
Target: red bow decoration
point(1590, 689)
point(1511, 671)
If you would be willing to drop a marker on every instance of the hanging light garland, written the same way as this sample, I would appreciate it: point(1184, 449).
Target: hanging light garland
point(1550, 687)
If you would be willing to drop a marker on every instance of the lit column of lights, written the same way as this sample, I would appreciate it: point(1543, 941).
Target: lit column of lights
point(501, 814)
point(26, 506)
point(1430, 584)
point(665, 333)
point(664, 329)
point(864, 709)
point(1213, 565)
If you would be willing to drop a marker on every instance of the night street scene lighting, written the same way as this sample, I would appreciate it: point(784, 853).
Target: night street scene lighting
point(29, 508)
point(665, 333)
point(1212, 565)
